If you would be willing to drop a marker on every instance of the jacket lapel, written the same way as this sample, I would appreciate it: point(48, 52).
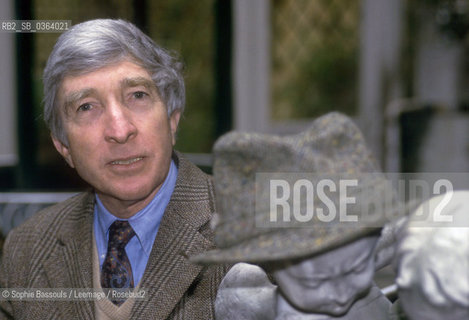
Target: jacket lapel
point(169, 274)
point(70, 263)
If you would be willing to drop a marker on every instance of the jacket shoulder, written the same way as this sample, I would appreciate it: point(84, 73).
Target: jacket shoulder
point(43, 220)
point(191, 177)
point(21, 244)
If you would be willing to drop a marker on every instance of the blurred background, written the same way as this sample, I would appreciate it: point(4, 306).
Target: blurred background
point(400, 68)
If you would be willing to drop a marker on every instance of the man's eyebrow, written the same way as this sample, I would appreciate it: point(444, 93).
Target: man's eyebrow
point(71, 98)
point(138, 81)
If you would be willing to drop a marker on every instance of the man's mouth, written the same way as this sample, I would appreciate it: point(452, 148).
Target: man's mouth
point(126, 161)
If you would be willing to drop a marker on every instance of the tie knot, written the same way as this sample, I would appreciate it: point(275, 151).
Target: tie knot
point(120, 233)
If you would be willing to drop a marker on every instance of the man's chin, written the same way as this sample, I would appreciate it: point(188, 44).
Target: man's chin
point(129, 195)
point(134, 195)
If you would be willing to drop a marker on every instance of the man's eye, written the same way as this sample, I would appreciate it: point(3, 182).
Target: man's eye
point(84, 107)
point(139, 95)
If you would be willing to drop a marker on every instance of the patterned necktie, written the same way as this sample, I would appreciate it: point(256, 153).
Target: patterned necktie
point(116, 272)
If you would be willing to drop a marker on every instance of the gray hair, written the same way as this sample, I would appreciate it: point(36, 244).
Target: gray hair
point(94, 44)
point(435, 257)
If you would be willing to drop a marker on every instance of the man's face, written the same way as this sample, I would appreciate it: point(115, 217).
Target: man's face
point(120, 138)
point(331, 282)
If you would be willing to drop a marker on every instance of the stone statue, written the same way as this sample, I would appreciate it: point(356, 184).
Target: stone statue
point(305, 262)
point(337, 284)
point(432, 261)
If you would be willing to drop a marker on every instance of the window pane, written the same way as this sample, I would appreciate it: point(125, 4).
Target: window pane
point(314, 57)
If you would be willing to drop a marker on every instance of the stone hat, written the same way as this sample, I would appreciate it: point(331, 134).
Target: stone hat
point(332, 149)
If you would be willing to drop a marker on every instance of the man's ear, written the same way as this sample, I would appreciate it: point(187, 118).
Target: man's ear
point(63, 150)
point(173, 124)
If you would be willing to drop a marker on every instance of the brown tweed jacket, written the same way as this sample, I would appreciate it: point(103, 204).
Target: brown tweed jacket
point(53, 250)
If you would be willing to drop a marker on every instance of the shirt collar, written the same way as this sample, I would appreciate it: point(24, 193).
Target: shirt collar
point(145, 222)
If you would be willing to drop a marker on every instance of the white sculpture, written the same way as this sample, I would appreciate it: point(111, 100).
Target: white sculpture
point(432, 260)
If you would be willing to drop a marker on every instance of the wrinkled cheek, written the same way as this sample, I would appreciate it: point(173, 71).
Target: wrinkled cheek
point(86, 169)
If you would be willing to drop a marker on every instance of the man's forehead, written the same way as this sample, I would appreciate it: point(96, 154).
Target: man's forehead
point(124, 72)
point(137, 81)
point(76, 88)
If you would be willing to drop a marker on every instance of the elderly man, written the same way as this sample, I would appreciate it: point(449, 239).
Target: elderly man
point(113, 100)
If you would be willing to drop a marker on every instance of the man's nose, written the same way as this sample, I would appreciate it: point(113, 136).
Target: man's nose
point(119, 126)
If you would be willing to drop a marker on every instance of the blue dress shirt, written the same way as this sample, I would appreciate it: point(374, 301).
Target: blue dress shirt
point(145, 224)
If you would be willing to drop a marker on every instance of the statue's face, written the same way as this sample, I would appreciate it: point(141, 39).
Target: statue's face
point(331, 282)
point(417, 307)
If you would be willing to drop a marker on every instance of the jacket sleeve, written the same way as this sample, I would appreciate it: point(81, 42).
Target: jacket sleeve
point(7, 266)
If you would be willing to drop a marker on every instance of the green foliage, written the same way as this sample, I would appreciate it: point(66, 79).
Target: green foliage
point(315, 58)
point(187, 28)
point(327, 81)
